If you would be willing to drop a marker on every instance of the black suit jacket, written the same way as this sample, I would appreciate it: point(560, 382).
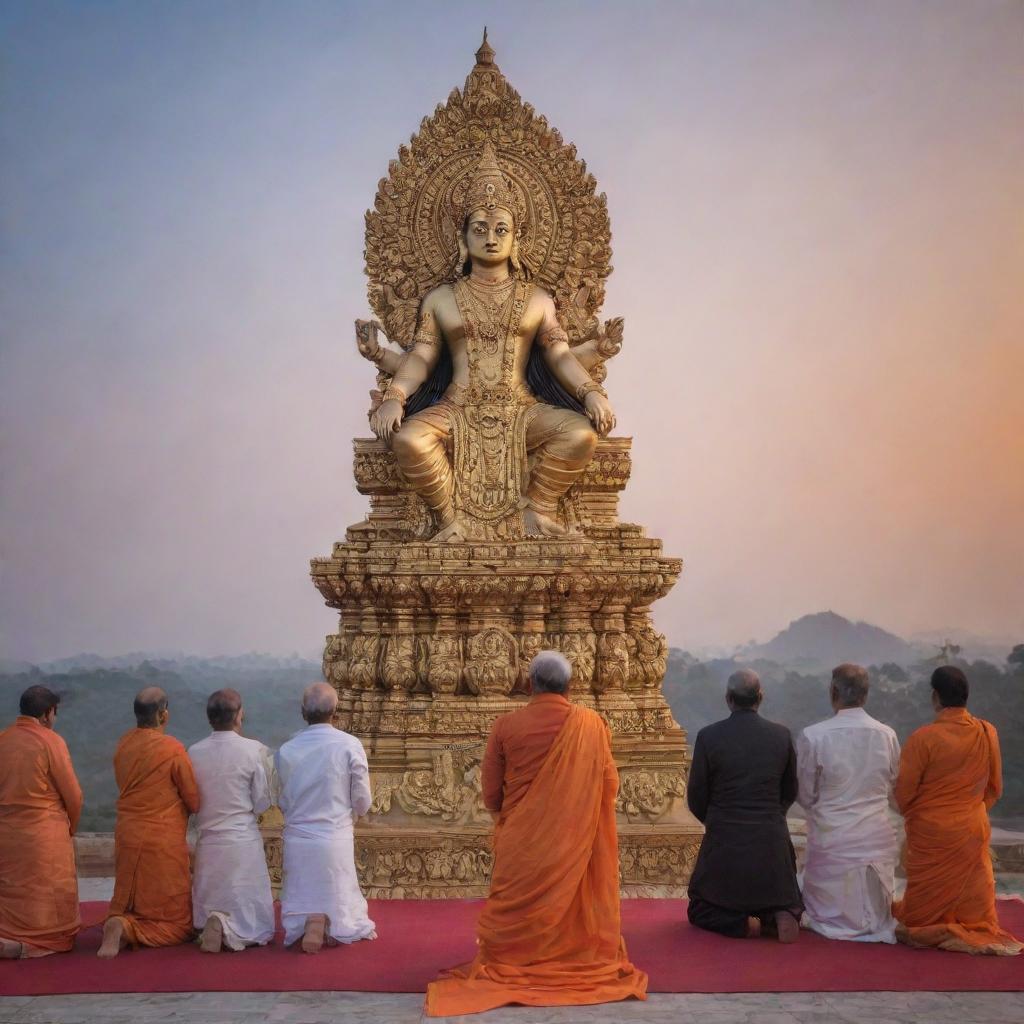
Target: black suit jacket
point(742, 782)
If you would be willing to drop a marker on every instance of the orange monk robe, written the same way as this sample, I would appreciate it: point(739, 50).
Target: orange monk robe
point(40, 802)
point(152, 884)
point(549, 934)
point(950, 775)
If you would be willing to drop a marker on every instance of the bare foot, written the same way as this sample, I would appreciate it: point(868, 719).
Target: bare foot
point(539, 525)
point(313, 937)
point(213, 936)
point(787, 926)
point(11, 950)
point(753, 927)
point(113, 939)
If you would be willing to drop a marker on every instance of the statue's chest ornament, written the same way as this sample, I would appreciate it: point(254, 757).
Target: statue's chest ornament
point(491, 316)
point(488, 437)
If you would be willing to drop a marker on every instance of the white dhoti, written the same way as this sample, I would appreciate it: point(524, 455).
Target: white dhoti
point(846, 766)
point(231, 883)
point(325, 785)
point(849, 901)
point(230, 880)
point(320, 878)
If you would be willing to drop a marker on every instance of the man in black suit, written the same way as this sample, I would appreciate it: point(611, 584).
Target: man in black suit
point(742, 782)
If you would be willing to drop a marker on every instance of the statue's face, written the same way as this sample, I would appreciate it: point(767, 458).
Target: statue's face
point(490, 235)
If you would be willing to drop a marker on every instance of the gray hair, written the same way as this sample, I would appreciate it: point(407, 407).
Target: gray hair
point(319, 701)
point(744, 688)
point(550, 672)
point(850, 684)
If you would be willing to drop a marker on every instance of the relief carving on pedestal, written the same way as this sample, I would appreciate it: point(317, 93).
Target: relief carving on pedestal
point(448, 790)
point(444, 663)
point(649, 794)
point(492, 662)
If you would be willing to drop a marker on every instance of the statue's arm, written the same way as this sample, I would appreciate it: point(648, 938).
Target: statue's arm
point(368, 342)
point(569, 372)
point(412, 371)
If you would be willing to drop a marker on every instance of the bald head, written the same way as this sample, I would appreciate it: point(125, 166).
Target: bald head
point(222, 710)
point(850, 685)
point(319, 701)
point(743, 689)
point(151, 708)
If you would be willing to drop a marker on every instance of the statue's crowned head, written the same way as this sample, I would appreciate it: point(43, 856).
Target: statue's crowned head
point(488, 194)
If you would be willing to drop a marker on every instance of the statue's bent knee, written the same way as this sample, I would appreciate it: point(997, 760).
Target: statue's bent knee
point(409, 443)
point(575, 443)
point(559, 463)
point(584, 441)
point(421, 457)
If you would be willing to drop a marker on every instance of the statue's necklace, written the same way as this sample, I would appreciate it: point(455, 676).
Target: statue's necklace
point(491, 305)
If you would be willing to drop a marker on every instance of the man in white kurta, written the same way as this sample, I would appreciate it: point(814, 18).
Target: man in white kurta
point(232, 903)
point(846, 768)
point(324, 785)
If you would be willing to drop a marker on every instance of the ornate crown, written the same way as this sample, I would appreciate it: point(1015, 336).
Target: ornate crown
point(444, 174)
point(489, 189)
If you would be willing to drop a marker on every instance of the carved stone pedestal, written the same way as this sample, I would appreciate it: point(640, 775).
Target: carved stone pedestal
point(434, 642)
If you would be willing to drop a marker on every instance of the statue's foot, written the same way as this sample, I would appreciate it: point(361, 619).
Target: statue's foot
point(539, 525)
point(113, 939)
point(450, 534)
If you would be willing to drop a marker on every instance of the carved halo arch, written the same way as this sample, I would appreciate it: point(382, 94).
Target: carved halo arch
point(411, 232)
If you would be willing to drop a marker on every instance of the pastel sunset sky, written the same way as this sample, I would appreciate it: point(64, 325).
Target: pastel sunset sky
point(818, 217)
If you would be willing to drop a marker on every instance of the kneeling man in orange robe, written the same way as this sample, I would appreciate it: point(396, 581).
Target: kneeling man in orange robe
point(152, 904)
point(950, 775)
point(40, 801)
point(549, 934)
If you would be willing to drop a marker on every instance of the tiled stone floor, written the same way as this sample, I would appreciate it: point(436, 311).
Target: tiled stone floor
point(355, 1007)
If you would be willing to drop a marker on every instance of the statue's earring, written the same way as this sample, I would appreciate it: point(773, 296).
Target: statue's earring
point(463, 256)
point(513, 256)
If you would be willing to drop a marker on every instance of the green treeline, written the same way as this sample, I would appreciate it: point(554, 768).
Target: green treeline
point(96, 706)
point(96, 710)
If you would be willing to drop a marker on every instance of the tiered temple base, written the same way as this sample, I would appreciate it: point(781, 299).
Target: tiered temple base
point(433, 645)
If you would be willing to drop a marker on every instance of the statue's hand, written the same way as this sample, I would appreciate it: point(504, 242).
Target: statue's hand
point(600, 412)
point(609, 338)
point(366, 338)
point(387, 419)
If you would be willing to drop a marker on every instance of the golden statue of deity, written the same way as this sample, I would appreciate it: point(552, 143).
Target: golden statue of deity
point(493, 529)
point(489, 322)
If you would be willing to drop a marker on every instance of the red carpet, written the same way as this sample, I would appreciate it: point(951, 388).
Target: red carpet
point(419, 938)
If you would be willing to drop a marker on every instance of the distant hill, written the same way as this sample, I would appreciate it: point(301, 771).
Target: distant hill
point(826, 639)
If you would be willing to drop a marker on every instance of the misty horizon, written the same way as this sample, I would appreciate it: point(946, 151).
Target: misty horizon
point(930, 638)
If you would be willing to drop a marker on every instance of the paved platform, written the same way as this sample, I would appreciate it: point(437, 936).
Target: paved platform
point(365, 1008)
